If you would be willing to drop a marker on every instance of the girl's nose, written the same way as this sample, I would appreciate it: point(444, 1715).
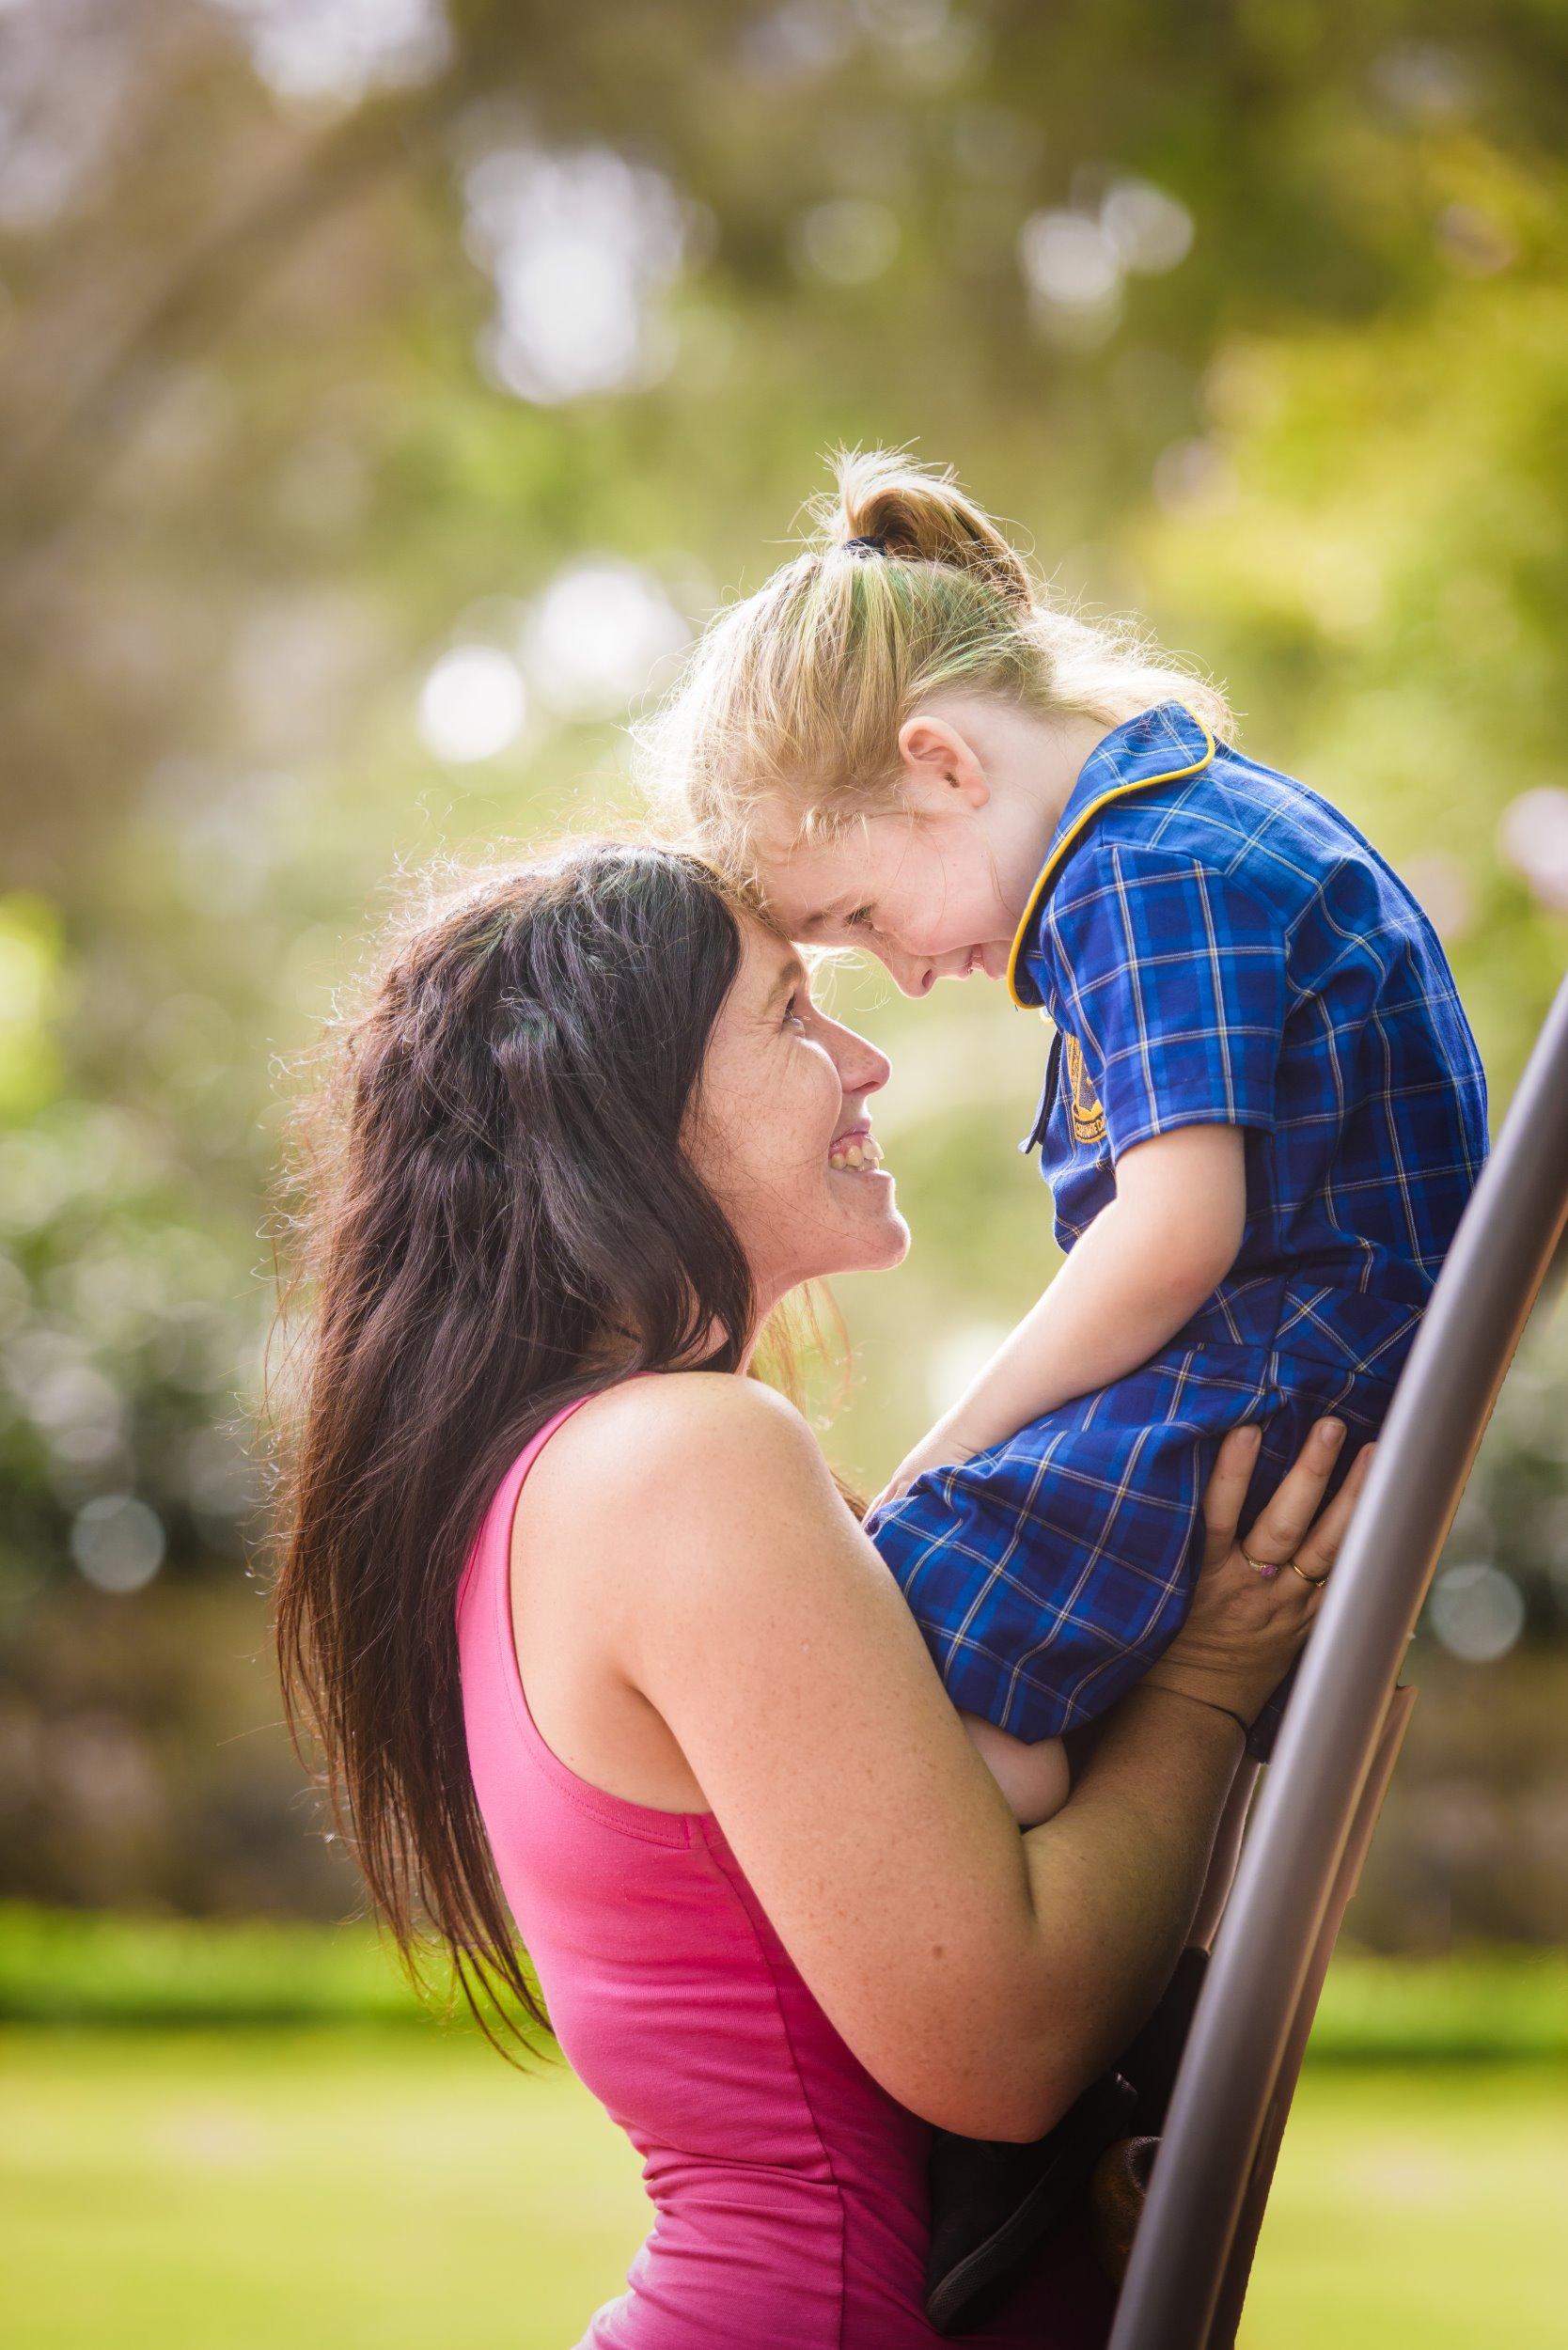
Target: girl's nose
point(912, 974)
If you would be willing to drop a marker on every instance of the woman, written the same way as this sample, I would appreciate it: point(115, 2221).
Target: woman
point(608, 1649)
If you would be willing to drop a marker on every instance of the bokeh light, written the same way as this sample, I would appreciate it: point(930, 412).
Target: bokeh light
point(117, 1543)
point(339, 51)
point(58, 130)
point(1447, 891)
point(796, 44)
point(955, 1357)
point(1532, 836)
point(1149, 231)
point(847, 242)
point(579, 246)
point(1075, 261)
point(596, 635)
point(1070, 262)
point(471, 703)
point(1476, 1612)
point(1194, 476)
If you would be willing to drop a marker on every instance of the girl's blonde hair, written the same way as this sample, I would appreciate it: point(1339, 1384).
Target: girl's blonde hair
point(793, 698)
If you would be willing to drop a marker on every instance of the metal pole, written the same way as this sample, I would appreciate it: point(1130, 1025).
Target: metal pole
point(1188, 2238)
point(1222, 2332)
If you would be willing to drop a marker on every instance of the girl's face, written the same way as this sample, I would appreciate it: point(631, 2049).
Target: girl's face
point(935, 888)
point(781, 1131)
point(922, 894)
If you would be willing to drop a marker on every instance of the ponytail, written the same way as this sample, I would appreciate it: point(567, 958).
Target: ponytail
point(919, 515)
point(785, 724)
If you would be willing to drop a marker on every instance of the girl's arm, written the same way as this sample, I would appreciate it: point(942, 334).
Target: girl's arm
point(1143, 1269)
point(983, 1977)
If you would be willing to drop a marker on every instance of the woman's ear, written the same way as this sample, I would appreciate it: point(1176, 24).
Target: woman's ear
point(942, 770)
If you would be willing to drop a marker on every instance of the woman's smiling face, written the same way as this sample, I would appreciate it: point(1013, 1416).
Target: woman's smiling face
point(781, 1131)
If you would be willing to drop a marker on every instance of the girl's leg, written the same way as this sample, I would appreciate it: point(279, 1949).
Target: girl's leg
point(1033, 1778)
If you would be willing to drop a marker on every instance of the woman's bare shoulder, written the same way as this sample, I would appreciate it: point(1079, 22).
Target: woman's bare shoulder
point(647, 1445)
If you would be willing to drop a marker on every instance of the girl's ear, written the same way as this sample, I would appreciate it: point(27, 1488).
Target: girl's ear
point(942, 770)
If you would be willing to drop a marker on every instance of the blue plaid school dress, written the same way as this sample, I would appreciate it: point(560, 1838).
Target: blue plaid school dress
point(1215, 945)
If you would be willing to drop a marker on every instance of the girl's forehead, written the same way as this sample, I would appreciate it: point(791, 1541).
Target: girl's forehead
point(804, 893)
point(811, 882)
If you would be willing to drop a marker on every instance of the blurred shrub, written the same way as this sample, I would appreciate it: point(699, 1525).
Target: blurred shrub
point(62, 1968)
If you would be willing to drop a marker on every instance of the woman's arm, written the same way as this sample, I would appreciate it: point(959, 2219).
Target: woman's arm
point(981, 1976)
point(1143, 1269)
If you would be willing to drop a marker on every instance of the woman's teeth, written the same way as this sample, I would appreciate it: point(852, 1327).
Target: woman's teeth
point(863, 1150)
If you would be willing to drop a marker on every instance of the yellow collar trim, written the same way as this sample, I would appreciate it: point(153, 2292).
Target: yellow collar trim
point(1053, 863)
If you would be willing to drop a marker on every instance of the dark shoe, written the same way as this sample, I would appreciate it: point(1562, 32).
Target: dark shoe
point(1118, 2190)
point(1119, 2183)
point(993, 2205)
point(1151, 2061)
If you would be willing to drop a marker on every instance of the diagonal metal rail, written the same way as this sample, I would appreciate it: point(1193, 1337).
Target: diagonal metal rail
point(1193, 2253)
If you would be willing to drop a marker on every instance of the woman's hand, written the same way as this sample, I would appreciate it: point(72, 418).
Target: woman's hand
point(1245, 1624)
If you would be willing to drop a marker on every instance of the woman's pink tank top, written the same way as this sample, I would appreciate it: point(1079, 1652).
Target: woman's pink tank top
point(788, 2190)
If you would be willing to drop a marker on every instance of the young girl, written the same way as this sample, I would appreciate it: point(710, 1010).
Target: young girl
point(1262, 1109)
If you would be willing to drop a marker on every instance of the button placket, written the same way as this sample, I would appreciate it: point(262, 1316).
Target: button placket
point(1048, 1096)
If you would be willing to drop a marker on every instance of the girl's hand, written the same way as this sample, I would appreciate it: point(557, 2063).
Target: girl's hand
point(1245, 1625)
point(939, 1451)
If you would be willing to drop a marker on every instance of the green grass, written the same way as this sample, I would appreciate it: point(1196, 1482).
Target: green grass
point(252, 2134)
point(323, 2190)
point(364, 2188)
point(1417, 2207)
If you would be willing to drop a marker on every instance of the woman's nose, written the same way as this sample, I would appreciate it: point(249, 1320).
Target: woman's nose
point(861, 1067)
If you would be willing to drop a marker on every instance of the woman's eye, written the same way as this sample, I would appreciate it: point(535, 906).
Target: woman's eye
point(794, 1017)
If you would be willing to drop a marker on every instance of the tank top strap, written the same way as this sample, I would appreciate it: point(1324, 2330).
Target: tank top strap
point(493, 1677)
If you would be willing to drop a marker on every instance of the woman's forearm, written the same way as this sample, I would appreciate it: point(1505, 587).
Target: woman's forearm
point(1115, 1879)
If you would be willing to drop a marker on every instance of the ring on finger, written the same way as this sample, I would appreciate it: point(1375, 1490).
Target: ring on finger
point(1265, 1567)
point(1317, 1581)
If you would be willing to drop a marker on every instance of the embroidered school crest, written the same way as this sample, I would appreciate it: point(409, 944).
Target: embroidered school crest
point(1088, 1118)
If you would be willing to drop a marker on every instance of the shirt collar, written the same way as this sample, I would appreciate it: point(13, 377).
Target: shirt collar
point(1159, 745)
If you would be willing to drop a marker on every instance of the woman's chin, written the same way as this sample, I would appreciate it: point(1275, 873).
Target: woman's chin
point(857, 1229)
point(879, 1237)
point(898, 1247)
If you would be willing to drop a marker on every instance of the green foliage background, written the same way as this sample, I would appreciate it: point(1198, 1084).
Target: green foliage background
point(260, 477)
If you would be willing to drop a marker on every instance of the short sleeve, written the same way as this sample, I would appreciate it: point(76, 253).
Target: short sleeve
point(1172, 976)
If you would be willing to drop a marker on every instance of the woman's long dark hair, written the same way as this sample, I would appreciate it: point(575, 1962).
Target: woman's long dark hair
point(497, 1217)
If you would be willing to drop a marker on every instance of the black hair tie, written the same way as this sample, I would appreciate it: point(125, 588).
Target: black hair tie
point(871, 546)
